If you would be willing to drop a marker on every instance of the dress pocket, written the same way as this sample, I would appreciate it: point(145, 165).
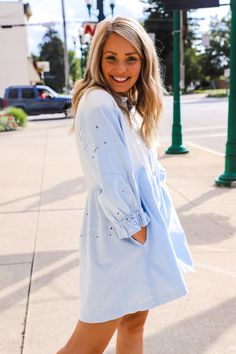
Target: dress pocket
point(139, 243)
point(142, 245)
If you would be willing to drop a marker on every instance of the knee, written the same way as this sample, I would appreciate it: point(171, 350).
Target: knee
point(132, 324)
point(130, 328)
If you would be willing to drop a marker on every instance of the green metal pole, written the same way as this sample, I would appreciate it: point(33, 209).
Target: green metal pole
point(229, 176)
point(176, 147)
point(101, 15)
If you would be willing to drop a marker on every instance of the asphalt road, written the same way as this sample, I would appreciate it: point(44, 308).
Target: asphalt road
point(204, 121)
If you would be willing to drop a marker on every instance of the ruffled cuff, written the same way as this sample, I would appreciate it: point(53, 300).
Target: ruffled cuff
point(132, 223)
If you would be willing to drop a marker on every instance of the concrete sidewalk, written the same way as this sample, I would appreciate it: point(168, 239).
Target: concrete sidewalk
point(42, 195)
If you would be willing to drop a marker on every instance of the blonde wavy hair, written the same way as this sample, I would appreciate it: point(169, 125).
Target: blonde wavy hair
point(146, 94)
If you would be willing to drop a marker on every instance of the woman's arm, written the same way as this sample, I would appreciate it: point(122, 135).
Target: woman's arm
point(105, 149)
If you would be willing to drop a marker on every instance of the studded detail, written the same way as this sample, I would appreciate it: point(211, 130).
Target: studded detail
point(96, 148)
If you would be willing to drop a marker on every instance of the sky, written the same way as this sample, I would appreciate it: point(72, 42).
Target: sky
point(76, 12)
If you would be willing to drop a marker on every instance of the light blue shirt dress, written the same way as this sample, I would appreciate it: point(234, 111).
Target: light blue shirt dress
point(126, 190)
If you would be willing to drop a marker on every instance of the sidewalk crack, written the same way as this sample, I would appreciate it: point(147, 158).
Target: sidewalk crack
point(34, 248)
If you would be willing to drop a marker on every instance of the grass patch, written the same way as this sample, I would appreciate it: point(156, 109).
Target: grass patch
point(213, 93)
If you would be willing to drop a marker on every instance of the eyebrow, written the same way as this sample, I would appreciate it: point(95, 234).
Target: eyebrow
point(131, 53)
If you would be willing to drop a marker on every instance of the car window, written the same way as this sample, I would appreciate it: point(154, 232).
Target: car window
point(43, 94)
point(13, 93)
point(27, 93)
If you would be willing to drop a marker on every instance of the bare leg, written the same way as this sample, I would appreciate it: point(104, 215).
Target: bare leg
point(90, 338)
point(130, 333)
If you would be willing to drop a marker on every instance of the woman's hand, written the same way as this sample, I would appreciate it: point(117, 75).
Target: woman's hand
point(141, 235)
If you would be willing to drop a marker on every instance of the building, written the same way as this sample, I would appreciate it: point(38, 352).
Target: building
point(16, 66)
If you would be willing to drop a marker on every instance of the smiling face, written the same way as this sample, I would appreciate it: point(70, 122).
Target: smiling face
point(121, 64)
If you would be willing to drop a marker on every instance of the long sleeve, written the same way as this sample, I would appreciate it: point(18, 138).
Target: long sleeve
point(98, 123)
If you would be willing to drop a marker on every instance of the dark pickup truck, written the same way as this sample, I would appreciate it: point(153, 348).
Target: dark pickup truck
point(37, 99)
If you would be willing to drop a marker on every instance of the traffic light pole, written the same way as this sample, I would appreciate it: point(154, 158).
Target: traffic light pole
point(176, 147)
point(229, 176)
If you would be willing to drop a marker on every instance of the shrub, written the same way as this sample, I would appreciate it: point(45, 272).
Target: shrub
point(7, 122)
point(20, 116)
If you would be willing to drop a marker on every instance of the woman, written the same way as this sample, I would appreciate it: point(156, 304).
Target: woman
point(133, 251)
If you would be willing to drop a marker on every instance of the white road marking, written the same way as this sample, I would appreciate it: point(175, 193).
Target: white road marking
point(205, 128)
point(205, 149)
point(207, 135)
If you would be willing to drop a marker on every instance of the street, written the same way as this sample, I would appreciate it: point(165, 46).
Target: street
point(204, 121)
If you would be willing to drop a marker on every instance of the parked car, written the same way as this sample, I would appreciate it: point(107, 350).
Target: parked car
point(37, 99)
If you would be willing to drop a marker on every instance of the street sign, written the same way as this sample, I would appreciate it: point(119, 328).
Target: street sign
point(170, 5)
point(89, 28)
point(43, 66)
point(157, 24)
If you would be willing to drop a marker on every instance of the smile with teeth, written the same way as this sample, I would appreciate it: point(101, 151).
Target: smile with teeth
point(120, 79)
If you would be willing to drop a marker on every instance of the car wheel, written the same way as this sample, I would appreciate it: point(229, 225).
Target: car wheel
point(68, 113)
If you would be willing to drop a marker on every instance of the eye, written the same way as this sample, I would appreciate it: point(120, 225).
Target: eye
point(111, 58)
point(132, 59)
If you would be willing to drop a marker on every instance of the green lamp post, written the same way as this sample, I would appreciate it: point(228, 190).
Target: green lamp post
point(176, 147)
point(228, 178)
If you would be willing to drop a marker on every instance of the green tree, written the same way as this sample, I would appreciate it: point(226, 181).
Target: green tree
point(51, 49)
point(216, 56)
point(160, 23)
point(193, 67)
point(74, 66)
point(192, 57)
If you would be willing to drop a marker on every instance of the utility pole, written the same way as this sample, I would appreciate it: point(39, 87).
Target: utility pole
point(229, 175)
point(66, 61)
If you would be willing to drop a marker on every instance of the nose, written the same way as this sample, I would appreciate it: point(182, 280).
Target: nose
point(121, 67)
